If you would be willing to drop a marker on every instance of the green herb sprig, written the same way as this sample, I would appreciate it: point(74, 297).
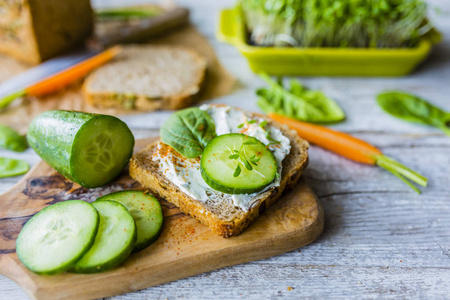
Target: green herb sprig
point(241, 157)
point(243, 124)
point(263, 124)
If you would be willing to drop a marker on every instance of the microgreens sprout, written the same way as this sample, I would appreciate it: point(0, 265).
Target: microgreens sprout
point(271, 139)
point(246, 122)
point(242, 158)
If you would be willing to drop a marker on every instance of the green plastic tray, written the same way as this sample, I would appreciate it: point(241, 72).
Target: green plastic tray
point(321, 61)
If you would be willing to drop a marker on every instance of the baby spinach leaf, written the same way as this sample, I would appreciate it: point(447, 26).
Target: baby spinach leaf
point(12, 140)
point(12, 167)
point(414, 109)
point(298, 102)
point(188, 131)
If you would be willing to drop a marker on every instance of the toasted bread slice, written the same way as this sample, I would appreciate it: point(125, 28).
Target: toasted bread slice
point(223, 217)
point(147, 77)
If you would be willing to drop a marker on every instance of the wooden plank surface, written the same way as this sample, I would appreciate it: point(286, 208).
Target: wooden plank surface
point(381, 240)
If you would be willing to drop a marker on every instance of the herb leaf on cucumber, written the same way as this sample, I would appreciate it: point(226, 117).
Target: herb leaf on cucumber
point(188, 131)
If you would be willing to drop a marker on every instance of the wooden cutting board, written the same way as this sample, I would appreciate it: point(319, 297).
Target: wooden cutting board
point(185, 247)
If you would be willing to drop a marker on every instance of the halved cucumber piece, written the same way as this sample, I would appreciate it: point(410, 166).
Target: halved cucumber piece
point(146, 212)
point(114, 241)
point(57, 236)
point(90, 149)
point(237, 164)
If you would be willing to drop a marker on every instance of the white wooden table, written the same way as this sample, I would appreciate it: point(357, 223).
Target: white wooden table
point(381, 240)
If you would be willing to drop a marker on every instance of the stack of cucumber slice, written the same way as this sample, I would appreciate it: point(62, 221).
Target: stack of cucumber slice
point(80, 237)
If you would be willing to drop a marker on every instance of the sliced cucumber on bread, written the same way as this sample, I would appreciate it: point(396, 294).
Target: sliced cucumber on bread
point(237, 164)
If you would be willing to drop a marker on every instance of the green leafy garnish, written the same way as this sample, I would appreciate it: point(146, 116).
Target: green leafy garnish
point(12, 140)
point(414, 109)
point(237, 171)
point(12, 167)
point(188, 131)
point(272, 141)
point(246, 122)
point(336, 23)
point(298, 102)
point(241, 157)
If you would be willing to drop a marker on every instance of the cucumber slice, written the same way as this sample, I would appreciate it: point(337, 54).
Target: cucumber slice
point(146, 212)
point(114, 241)
point(57, 236)
point(226, 164)
point(89, 149)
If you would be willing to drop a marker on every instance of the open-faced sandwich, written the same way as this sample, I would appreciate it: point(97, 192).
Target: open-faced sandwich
point(221, 165)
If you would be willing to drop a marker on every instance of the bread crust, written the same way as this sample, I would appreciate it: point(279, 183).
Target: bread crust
point(145, 171)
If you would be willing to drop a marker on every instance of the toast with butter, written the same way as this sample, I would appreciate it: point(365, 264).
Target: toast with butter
point(177, 179)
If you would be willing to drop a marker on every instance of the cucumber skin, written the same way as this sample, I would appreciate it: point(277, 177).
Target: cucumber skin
point(68, 265)
point(116, 260)
point(52, 134)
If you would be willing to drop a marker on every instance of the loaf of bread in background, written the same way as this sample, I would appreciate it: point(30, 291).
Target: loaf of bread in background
point(36, 30)
point(222, 217)
point(147, 77)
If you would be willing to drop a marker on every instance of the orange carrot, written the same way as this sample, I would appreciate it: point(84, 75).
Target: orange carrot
point(65, 77)
point(350, 147)
point(338, 142)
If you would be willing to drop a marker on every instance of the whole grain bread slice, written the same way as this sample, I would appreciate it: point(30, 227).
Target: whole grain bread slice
point(224, 218)
point(147, 77)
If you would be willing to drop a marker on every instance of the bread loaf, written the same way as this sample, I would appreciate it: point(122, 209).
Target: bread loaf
point(36, 30)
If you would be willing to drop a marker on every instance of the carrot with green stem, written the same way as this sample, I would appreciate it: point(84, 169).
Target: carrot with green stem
point(352, 148)
point(63, 78)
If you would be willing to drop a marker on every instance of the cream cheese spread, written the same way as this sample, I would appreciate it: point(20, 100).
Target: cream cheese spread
point(185, 173)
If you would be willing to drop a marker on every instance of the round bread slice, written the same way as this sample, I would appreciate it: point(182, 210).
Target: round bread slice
point(147, 77)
